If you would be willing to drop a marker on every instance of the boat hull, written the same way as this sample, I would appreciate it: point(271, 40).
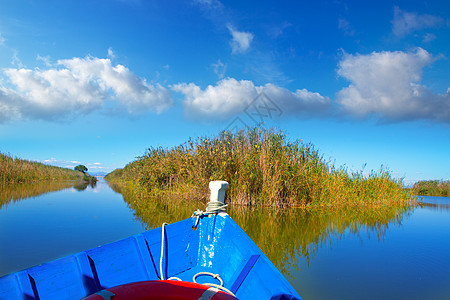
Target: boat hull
point(218, 245)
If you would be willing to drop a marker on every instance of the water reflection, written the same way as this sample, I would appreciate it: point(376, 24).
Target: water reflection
point(18, 191)
point(44, 221)
point(282, 234)
point(154, 209)
point(435, 203)
point(82, 185)
point(285, 234)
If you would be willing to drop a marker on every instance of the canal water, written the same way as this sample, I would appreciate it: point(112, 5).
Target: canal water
point(326, 254)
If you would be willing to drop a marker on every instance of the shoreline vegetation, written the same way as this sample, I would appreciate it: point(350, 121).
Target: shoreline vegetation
point(17, 170)
point(263, 168)
point(432, 188)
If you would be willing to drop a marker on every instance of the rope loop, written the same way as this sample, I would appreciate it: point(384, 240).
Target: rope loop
point(213, 207)
point(215, 276)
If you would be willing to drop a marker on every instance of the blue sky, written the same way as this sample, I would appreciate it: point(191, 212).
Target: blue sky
point(99, 82)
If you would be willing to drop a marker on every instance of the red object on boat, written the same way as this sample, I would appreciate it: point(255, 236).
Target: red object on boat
point(161, 289)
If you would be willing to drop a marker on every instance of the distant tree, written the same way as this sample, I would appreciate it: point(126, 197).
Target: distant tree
point(81, 168)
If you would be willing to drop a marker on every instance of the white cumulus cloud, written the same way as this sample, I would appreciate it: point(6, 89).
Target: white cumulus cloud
point(231, 97)
point(387, 85)
point(77, 85)
point(240, 41)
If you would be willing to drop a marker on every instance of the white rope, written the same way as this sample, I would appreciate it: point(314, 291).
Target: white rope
point(213, 207)
point(197, 214)
point(161, 276)
point(215, 276)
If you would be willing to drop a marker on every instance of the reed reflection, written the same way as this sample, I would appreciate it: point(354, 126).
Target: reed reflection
point(282, 234)
point(19, 191)
point(82, 185)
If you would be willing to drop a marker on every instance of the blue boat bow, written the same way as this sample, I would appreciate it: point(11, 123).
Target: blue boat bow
point(210, 242)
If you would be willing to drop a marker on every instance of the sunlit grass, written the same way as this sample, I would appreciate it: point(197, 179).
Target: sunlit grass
point(263, 168)
point(15, 170)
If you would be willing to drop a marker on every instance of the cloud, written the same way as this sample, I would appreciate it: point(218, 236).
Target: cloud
point(2, 40)
point(384, 85)
point(213, 10)
point(219, 68)
point(428, 37)
point(241, 40)
point(51, 160)
point(77, 86)
point(387, 85)
point(15, 60)
point(70, 164)
point(111, 54)
point(345, 26)
point(231, 97)
point(277, 30)
point(210, 4)
point(406, 22)
point(96, 165)
point(44, 59)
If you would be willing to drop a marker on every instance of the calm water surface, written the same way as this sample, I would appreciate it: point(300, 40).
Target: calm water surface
point(353, 254)
point(51, 225)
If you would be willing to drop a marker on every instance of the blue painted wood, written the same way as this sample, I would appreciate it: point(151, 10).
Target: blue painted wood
point(11, 287)
point(218, 246)
point(145, 256)
point(25, 284)
point(90, 281)
point(118, 263)
point(247, 268)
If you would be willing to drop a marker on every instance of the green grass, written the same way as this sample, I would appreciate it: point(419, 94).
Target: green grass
point(263, 168)
point(432, 188)
point(16, 170)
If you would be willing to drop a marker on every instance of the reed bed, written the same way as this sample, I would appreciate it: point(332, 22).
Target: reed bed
point(432, 188)
point(16, 170)
point(263, 168)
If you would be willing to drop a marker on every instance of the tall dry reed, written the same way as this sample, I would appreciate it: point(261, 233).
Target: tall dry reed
point(263, 168)
point(15, 170)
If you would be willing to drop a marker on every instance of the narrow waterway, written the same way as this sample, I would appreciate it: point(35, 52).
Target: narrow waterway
point(326, 254)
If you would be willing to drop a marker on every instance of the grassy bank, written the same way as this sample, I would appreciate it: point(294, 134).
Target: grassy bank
point(15, 170)
point(263, 168)
point(432, 188)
